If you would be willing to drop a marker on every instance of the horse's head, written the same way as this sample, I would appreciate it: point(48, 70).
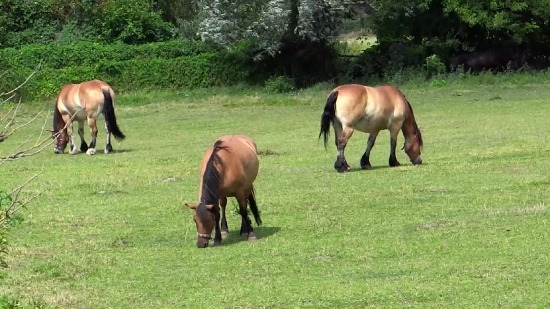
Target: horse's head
point(59, 131)
point(413, 146)
point(61, 140)
point(204, 218)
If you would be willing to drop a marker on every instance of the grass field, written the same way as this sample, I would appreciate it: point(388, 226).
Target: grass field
point(470, 228)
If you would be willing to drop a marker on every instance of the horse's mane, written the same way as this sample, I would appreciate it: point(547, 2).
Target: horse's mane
point(416, 129)
point(56, 118)
point(211, 176)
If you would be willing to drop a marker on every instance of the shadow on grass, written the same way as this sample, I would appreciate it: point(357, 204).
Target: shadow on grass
point(261, 232)
point(121, 151)
point(381, 167)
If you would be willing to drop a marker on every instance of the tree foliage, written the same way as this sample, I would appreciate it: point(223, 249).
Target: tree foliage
point(269, 24)
point(44, 21)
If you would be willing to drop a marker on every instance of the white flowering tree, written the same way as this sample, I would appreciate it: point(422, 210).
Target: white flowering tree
point(269, 24)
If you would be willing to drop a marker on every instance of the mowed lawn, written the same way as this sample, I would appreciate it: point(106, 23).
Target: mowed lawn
point(470, 228)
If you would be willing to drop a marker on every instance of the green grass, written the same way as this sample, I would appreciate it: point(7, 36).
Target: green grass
point(468, 229)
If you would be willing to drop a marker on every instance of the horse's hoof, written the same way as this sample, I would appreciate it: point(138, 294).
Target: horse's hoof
point(225, 234)
point(244, 236)
point(252, 237)
point(342, 169)
point(366, 167)
point(217, 243)
point(90, 151)
point(73, 151)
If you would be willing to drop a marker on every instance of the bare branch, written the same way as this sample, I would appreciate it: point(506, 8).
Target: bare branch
point(13, 111)
point(42, 131)
point(6, 100)
point(23, 83)
point(38, 147)
point(7, 132)
point(15, 205)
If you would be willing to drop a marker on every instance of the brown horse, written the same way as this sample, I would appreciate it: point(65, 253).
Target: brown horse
point(84, 101)
point(370, 110)
point(228, 169)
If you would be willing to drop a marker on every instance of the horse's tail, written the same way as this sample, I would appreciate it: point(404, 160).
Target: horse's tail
point(109, 114)
point(416, 129)
point(328, 116)
point(254, 207)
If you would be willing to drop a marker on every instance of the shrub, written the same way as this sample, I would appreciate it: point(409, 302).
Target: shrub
point(434, 65)
point(279, 84)
point(176, 64)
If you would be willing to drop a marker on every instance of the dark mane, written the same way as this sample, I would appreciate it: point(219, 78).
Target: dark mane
point(57, 118)
point(416, 129)
point(211, 176)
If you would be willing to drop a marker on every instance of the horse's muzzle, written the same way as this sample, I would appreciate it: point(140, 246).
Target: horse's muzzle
point(57, 150)
point(202, 244)
point(417, 161)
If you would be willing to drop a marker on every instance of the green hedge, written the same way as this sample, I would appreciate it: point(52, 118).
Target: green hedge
point(177, 64)
point(89, 53)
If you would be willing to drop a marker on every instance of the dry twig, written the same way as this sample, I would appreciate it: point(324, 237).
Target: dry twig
point(38, 147)
point(15, 205)
point(23, 83)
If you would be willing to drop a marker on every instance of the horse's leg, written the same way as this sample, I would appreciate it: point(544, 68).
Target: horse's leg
point(365, 161)
point(341, 165)
point(108, 146)
point(93, 126)
point(83, 145)
point(337, 126)
point(246, 225)
point(393, 143)
point(217, 230)
point(70, 132)
point(225, 229)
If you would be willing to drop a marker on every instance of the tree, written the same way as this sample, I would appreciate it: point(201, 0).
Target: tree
point(284, 37)
point(269, 24)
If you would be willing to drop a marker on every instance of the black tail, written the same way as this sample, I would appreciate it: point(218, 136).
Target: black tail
point(254, 208)
point(328, 116)
point(416, 129)
point(109, 114)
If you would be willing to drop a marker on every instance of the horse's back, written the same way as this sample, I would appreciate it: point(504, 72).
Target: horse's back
point(350, 103)
point(86, 98)
point(369, 109)
point(242, 150)
point(240, 163)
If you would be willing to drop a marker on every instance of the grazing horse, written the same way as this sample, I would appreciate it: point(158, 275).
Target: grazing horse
point(370, 110)
point(228, 169)
point(84, 101)
point(498, 60)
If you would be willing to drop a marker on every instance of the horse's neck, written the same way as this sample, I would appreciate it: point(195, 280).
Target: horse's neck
point(408, 128)
point(208, 192)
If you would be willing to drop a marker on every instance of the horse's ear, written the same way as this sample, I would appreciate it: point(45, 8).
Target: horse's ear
point(191, 205)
